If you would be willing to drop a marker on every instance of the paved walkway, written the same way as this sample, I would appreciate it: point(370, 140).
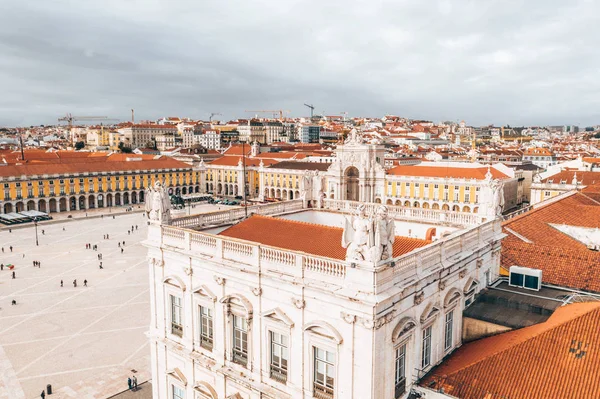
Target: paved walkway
point(144, 391)
point(67, 336)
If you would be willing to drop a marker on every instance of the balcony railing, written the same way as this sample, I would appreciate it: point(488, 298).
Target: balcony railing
point(206, 343)
point(278, 374)
point(240, 357)
point(322, 392)
point(177, 329)
point(400, 388)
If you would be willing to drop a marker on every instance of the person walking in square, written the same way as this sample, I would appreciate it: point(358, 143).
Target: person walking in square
point(75, 283)
point(85, 283)
point(43, 394)
point(10, 248)
point(134, 383)
point(129, 382)
point(1, 266)
point(101, 265)
point(13, 275)
point(61, 283)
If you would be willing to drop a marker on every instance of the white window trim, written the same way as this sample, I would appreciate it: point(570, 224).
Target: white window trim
point(283, 325)
point(243, 310)
point(203, 296)
point(329, 344)
point(172, 290)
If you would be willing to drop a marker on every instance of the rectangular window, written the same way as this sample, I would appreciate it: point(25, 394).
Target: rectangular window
point(240, 340)
point(426, 348)
point(324, 375)
point(400, 375)
point(467, 197)
point(449, 324)
point(178, 393)
point(279, 356)
point(176, 316)
point(206, 328)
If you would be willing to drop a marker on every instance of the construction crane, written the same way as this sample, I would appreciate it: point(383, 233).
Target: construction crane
point(70, 119)
point(273, 111)
point(312, 108)
point(213, 114)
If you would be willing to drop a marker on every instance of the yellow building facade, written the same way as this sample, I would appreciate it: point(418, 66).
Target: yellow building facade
point(69, 186)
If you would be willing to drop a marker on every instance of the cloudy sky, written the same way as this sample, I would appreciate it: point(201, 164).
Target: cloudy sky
point(484, 61)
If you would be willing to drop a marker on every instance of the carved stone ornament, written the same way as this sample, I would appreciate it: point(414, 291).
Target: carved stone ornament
point(257, 291)
point(348, 318)
point(462, 273)
point(158, 204)
point(442, 285)
point(188, 270)
point(220, 280)
point(419, 298)
point(377, 323)
point(299, 303)
point(157, 262)
point(479, 263)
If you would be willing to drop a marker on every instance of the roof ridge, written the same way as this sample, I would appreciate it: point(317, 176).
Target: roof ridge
point(542, 205)
point(552, 325)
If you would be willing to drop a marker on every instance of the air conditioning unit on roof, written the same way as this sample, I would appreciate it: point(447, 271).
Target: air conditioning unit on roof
point(525, 277)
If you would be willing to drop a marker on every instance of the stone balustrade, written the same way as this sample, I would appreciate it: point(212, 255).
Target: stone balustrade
point(299, 264)
point(409, 214)
point(235, 214)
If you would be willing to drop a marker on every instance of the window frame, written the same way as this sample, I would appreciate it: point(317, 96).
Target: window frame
point(449, 335)
point(333, 363)
point(400, 383)
point(429, 342)
point(171, 324)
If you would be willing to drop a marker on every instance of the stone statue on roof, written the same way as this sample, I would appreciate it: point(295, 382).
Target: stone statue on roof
point(385, 234)
point(358, 235)
point(369, 238)
point(158, 204)
point(497, 196)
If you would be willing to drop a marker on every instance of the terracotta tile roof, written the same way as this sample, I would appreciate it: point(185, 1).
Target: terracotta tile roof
point(238, 149)
point(539, 152)
point(301, 165)
point(583, 177)
point(446, 171)
point(557, 359)
point(305, 237)
point(89, 164)
point(234, 161)
point(533, 242)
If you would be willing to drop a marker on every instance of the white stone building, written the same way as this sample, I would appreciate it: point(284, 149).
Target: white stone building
point(274, 307)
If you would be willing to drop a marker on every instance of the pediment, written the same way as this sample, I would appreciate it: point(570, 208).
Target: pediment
point(429, 313)
point(470, 285)
point(177, 374)
point(277, 315)
point(204, 291)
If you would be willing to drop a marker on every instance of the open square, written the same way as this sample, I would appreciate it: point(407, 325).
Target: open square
point(84, 341)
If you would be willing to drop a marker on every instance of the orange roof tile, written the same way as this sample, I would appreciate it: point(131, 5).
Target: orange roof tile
point(533, 242)
point(234, 161)
point(446, 171)
point(88, 164)
point(583, 177)
point(557, 359)
point(305, 237)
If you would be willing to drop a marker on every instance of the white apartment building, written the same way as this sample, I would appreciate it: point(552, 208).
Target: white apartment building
point(276, 307)
point(138, 135)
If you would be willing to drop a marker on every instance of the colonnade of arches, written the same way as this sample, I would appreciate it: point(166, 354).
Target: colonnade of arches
point(283, 194)
point(430, 205)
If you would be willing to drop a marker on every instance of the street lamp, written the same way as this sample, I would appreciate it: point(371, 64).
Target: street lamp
point(35, 221)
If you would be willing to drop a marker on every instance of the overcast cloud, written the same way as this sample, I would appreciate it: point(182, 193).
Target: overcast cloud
point(516, 62)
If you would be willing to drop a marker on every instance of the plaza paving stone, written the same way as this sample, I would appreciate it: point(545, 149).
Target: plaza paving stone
point(86, 340)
